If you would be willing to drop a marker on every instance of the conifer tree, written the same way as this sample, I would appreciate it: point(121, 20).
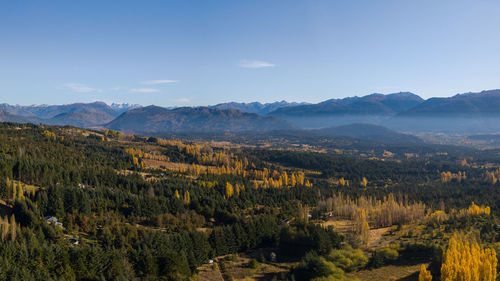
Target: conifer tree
point(5, 227)
point(14, 191)
point(13, 227)
point(8, 184)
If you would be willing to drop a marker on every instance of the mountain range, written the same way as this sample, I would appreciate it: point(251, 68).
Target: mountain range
point(403, 111)
point(374, 108)
point(374, 104)
point(257, 107)
point(154, 119)
point(484, 104)
point(76, 114)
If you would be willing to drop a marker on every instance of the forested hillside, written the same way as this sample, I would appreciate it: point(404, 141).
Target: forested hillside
point(101, 205)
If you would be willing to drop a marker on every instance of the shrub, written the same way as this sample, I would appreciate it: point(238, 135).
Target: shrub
point(314, 267)
point(348, 259)
point(253, 264)
point(384, 256)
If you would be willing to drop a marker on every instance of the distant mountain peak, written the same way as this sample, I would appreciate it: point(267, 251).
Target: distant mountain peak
point(484, 103)
point(76, 114)
point(373, 104)
point(256, 107)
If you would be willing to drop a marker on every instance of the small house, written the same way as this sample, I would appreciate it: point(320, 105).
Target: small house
point(51, 219)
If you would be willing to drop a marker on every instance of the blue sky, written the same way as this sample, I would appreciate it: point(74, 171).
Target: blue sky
point(175, 53)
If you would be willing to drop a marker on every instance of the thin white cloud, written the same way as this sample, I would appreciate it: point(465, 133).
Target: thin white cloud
point(255, 64)
point(183, 100)
point(144, 90)
point(80, 88)
point(157, 82)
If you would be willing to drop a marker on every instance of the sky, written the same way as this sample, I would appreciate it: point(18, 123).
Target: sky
point(185, 53)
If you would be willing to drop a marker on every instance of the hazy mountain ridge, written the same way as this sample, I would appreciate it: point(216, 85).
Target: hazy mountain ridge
point(75, 114)
point(50, 111)
point(8, 117)
point(374, 104)
point(464, 113)
point(257, 107)
point(154, 119)
point(485, 103)
point(369, 132)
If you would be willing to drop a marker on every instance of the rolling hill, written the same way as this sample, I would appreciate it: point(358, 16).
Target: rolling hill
point(368, 132)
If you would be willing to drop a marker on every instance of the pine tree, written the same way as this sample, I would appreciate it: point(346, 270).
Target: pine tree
point(5, 227)
point(8, 184)
point(13, 227)
point(14, 191)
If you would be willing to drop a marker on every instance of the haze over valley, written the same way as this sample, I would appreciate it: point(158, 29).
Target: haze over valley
point(465, 115)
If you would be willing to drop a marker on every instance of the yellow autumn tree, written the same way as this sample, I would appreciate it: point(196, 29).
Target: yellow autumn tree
point(361, 226)
point(135, 160)
point(364, 182)
point(284, 178)
point(475, 210)
point(177, 195)
point(293, 180)
point(465, 259)
point(424, 274)
point(229, 190)
point(49, 135)
point(187, 197)
point(308, 184)
point(8, 227)
point(20, 192)
point(342, 181)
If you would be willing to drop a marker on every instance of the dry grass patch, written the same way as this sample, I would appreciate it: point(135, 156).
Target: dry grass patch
point(239, 269)
point(377, 237)
point(207, 272)
point(386, 273)
point(159, 164)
